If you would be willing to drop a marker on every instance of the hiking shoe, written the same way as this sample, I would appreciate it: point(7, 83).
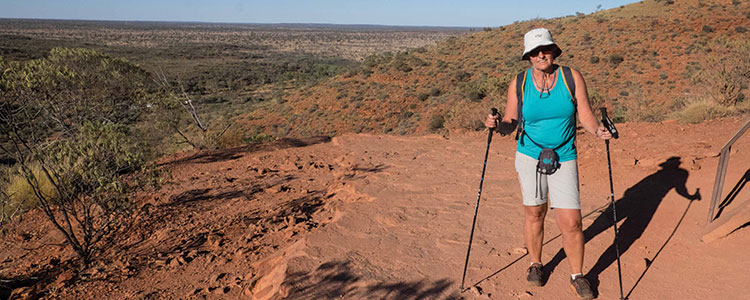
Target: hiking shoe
point(582, 287)
point(534, 275)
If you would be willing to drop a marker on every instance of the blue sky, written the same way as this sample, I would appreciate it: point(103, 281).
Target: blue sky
point(476, 13)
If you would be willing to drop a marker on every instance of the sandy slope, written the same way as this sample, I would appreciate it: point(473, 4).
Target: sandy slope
point(386, 217)
point(407, 238)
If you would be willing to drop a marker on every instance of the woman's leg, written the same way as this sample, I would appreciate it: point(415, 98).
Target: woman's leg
point(569, 222)
point(534, 230)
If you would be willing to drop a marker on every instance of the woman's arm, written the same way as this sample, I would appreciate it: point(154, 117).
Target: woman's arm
point(511, 106)
point(585, 115)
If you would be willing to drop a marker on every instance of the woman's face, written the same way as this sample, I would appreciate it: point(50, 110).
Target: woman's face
point(542, 58)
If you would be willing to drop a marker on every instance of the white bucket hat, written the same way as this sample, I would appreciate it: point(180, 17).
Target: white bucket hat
point(536, 38)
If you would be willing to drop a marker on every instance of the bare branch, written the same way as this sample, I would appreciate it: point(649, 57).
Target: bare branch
point(224, 130)
point(186, 139)
point(188, 104)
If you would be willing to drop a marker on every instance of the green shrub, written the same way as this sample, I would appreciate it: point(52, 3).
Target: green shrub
point(484, 86)
point(615, 59)
point(437, 122)
point(402, 66)
point(257, 138)
point(474, 95)
point(461, 76)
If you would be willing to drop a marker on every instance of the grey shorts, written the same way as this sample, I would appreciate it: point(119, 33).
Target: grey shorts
point(561, 188)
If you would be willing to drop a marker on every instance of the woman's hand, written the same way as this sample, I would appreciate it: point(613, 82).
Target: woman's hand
point(603, 133)
point(491, 121)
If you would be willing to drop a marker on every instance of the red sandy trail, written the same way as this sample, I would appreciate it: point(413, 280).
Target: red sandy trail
point(387, 217)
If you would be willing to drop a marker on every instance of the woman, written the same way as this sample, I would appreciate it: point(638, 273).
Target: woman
point(548, 119)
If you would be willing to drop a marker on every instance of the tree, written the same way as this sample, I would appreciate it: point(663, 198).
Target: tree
point(170, 111)
point(70, 116)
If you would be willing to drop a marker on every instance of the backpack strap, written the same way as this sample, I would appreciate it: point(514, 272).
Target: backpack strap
point(520, 85)
point(570, 84)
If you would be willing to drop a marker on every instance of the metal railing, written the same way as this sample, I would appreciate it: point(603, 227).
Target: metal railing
point(721, 171)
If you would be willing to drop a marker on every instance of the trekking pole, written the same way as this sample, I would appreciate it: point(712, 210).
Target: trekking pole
point(611, 128)
point(479, 195)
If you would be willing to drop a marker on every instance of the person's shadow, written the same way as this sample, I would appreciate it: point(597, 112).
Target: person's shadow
point(637, 208)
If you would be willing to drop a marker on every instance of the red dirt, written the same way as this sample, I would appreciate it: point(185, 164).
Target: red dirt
point(387, 217)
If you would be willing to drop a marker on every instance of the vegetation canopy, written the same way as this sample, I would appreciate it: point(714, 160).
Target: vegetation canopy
point(66, 128)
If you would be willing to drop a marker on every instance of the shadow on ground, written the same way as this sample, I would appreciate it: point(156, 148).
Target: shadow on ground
point(636, 208)
point(336, 279)
point(209, 156)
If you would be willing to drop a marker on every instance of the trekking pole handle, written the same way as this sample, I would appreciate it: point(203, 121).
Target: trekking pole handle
point(607, 122)
point(494, 113)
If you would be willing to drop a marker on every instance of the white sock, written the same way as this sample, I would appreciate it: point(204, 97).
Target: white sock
point(574, 276)
point(535, 263)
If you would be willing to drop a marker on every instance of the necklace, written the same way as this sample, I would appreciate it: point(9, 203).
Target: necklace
point(544, 88)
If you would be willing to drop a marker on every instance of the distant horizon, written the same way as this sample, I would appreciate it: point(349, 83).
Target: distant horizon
point(251, 23)
point(407, 13)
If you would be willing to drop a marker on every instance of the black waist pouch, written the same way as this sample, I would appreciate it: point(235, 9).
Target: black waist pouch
point(549, 161)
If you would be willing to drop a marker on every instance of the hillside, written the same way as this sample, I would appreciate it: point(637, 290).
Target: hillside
point(358, 179)
point(645, 60)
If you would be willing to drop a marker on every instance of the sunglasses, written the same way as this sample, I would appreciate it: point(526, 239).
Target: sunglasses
point(544, 49)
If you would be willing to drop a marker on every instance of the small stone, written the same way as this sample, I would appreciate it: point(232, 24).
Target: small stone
point(219, 277)
point(526, 295)
point(172, 263)
point(477, 290)
point(521, 250)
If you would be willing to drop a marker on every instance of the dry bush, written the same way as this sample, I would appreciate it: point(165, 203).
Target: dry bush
point(636, 107)
point(596, 100)
point(701, 110)
point(724, 82)
point(726, 77)
point(172, 109)
point(233, 137)
point(468, 115)
point(21, 194)
point(8, 209)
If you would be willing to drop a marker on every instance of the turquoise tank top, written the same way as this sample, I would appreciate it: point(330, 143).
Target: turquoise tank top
point(549, 120)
